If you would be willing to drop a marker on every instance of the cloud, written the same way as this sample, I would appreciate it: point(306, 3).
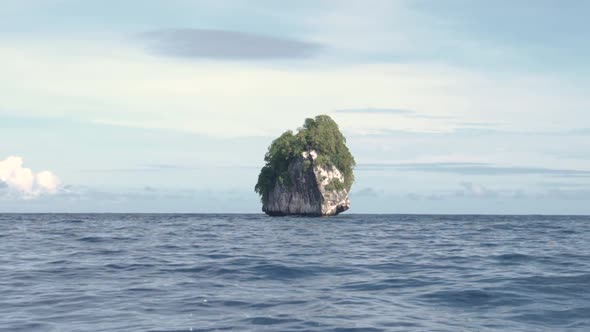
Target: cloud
point(146, 199)
point(571, 132)
point(170, 168)
point(24, 181)
point(478, 124)
point(470, 190)
point(475, 190)
point(566, 194)
point(475, 169)
point(366, 192)
point(370, 110)
point(430, 197)
point(225, 44)
point(393, 111)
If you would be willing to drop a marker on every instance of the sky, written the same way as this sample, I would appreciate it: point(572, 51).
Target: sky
point(449, 106)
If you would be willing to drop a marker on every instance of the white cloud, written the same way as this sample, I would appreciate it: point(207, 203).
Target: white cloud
point(476, 190)
point(24, 181)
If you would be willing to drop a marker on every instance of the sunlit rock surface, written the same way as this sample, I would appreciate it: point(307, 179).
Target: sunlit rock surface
point(308, 192)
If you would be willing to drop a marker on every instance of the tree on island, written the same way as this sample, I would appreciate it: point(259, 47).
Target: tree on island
point(321, 135)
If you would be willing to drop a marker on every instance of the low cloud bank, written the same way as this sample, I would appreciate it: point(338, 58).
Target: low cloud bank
point(23, 181)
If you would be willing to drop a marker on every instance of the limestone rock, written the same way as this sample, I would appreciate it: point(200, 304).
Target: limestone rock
point(310, 191)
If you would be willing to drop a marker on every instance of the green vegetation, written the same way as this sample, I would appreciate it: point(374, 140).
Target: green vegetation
point(320, 134)
point(335, 184)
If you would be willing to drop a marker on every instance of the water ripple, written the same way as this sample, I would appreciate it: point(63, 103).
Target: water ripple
point(141, 272)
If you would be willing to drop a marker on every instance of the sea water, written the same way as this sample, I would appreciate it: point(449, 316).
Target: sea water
point(140, 272)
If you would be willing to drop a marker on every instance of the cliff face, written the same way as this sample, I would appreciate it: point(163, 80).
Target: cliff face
point(307, 173)
point(310, 191)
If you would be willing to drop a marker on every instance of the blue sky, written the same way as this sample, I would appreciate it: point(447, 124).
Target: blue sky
point(169, 106)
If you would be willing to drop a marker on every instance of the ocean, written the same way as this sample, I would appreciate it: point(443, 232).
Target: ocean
point(250, 272)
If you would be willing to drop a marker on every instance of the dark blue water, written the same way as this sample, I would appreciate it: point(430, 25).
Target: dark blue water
point(256, 273)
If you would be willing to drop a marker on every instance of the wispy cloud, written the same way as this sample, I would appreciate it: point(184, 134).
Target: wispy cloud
point(169, 168)
point(572, 132)
point(477, 124)
point(225, 44)
point(366, 192)
point(475, 169)
point(370, 110)
point(407, 113)
point(566, 194)
point(470, 189)
point(82, 199)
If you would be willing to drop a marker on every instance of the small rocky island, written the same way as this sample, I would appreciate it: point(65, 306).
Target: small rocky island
point(308, 173)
